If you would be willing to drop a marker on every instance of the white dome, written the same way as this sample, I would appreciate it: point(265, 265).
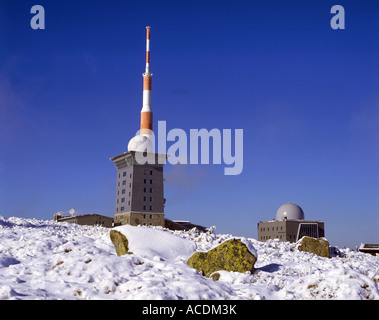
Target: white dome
point(289, 211)
point(141, 143)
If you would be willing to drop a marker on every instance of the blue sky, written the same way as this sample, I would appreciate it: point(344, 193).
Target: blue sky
point(305, 95)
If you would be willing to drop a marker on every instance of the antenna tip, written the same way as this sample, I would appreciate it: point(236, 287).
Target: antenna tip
point(148, 27)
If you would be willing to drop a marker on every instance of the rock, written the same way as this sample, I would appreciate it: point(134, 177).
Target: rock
point(215, 276)
point(231, 255)
point(120, 242)
point(318, 246)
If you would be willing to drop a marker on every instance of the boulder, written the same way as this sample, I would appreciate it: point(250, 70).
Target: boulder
point(231, 255)
point(120, 242)
point(318, 246)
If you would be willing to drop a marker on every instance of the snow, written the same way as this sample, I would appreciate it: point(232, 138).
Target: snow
point(151, 242)
point(50, 260)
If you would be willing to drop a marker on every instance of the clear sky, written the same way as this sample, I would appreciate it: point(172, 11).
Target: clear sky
point(305, 95)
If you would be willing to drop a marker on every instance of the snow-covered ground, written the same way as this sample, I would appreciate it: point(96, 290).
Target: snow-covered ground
point(49, 260)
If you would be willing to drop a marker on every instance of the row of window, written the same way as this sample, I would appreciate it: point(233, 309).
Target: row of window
point(144, 199)
point(121, 217)
point(273, 228)
point(123, 200)
point(281, 236)
point(272, 237)
point(130, 184)
point(123, 174)
point(124, 183)
point(130, 176)
point(123, 191)
point(122, 208)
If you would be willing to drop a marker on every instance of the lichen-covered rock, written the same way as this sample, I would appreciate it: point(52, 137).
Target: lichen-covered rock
point(231, 255)
point(120, 242)
point(318, 246)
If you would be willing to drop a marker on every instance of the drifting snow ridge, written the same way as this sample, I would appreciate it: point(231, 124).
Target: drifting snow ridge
point(49, 260)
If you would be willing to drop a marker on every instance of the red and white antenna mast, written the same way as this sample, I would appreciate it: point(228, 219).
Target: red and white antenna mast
point(146, 112)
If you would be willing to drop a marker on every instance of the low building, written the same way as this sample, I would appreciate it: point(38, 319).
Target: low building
point(92, 219)
point(372, 249)
point(182, 225)
point(290, 225)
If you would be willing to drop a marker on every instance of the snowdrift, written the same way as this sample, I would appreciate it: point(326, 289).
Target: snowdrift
point(50, 260)
point(151, 242)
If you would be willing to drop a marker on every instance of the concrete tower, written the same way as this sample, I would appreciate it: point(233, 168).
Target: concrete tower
point(139, 190)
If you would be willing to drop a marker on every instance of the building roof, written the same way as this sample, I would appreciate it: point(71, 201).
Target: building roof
point(83, 215)
point(182, 225)
point(369, 248)
point(294, 220)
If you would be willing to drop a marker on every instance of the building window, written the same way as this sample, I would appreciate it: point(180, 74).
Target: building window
point(129, 193)
point(151, 216)
point(144, 172)
point(308, 229)
point(151, 181)
point(123, 191)
point(151, 208)
point(129, 203)
point(144, 189)
point(144, 208)
point(124, 174)
point(122, 208)
point(151, 190)
point(123, 182)
point(151, 199)
point(144, 180)
point(122, 199)
point(151, 172)
point(117, 200)
point(144, 198)
point(119, 175)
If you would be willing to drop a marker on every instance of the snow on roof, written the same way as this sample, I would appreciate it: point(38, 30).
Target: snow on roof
point(368, 246)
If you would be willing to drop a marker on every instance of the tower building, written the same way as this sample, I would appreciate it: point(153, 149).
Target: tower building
point(139, 190)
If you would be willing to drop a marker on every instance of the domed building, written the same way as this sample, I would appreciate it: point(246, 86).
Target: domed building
point(290, 225)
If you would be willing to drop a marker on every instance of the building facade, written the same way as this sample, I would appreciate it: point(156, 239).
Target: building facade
point(139, 191)
point(290, 230)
